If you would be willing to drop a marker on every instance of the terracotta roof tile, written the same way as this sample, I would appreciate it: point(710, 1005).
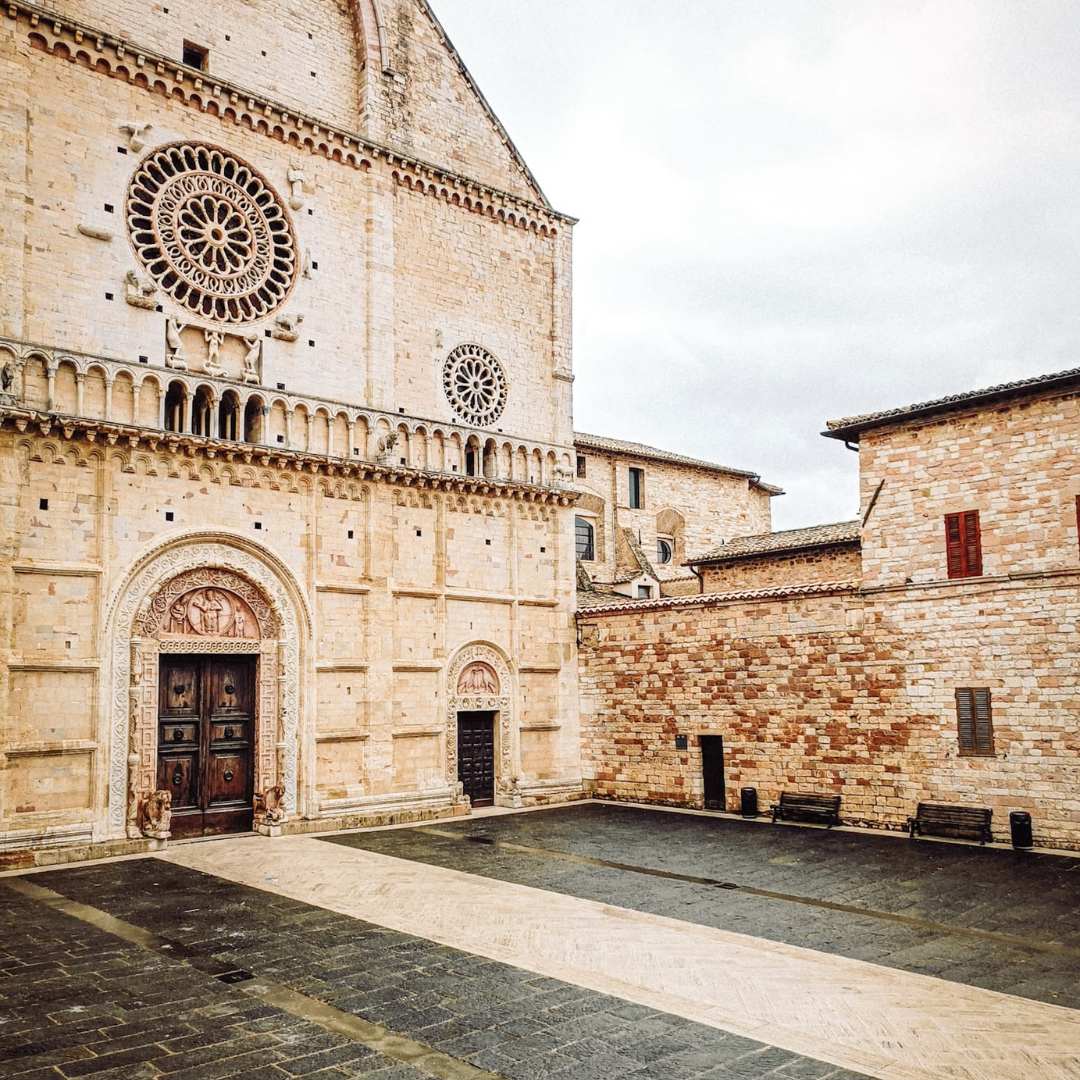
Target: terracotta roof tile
point(743, 547)
point(850, 426)
point(641, 450)
point(622, 604)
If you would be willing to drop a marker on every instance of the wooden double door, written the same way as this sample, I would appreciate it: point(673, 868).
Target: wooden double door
point(206, 730)
point(476, 756)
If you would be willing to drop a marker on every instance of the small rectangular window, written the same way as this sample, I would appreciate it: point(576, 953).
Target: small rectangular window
point(644, 592)
point(196, 56)
point(963, 545)
point(974, 722)
point(637, 489)
point(584, 537)
point(581, 467)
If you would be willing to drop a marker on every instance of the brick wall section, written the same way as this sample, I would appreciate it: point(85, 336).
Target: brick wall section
point(850, 693)
point(1018, 464)
point(839, 563)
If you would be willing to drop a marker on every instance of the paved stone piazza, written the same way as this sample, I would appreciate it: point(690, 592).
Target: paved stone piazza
point(591, 941)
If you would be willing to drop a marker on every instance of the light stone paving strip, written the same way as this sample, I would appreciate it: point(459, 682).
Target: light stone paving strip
point(892, 1024)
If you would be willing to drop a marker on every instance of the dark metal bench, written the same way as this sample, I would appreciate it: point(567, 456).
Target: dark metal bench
point(798, 806)
point(959, 822)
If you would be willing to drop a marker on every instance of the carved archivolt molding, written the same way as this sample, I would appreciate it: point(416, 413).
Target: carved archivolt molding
point(174, 569)
point(475, 385)
point(212, 232)
point(479, 680)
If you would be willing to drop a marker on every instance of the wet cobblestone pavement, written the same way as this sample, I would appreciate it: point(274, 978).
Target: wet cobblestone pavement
point(997, 919)
point(76, 1000)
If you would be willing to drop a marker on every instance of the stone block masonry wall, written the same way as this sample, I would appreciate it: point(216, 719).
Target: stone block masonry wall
point(772, 571)
point(1017, 464)
point(697, 507)
point(850, 693)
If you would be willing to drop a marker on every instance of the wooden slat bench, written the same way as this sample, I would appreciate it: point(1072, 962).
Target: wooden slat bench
point(958, 822)
point(800, 806)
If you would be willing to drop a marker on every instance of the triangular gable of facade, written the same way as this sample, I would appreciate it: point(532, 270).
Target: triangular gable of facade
point(427, 102)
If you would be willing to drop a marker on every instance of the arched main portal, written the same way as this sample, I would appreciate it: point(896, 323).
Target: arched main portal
point(480, 692)
point(227, 618)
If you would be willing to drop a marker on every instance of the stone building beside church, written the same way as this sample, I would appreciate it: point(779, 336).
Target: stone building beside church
point(640, 510)
point(926, 651)
point(285, 427)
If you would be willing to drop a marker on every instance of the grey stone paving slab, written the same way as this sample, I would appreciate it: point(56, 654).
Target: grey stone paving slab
point(494, 1016)
point(1032, 896)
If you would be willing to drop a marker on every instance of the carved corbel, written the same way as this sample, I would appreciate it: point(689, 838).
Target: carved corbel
point(287, 327)
point(136, 135)
point(296, 187)
point(139, 293)
point(155, 815)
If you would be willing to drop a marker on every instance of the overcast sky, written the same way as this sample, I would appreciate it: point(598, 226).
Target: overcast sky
point(796, 210)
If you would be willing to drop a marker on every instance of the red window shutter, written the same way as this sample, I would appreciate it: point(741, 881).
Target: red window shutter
point(972, 544)
point(963, 544)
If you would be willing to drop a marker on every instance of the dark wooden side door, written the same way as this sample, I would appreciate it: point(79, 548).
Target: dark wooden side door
point(206, 725)
point(712, 767)
point(476, 756)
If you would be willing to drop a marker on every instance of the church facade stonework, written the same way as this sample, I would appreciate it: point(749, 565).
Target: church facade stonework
point(284, 484)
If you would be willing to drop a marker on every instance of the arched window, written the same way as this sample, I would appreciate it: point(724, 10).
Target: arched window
point(175, 399)
point(584, 535)
point(665, 550)
point(229, 412)
point(201, 412)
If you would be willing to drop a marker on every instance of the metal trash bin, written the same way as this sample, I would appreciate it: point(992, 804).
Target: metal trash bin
point(748, 800)
point(1020, 828)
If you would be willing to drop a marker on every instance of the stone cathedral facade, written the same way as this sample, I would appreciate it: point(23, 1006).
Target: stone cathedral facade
point(286, 449)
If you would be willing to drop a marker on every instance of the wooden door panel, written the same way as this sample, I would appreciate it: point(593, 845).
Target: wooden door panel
point(178, 774)
point(228, 778)
point(476, 756)
point(205, 751)
point(180, 687)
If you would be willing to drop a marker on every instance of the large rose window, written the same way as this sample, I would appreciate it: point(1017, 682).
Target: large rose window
point(211, 232)
point(475, 385)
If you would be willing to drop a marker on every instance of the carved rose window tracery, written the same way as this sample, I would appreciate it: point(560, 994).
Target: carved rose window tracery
point(211, 232)
point(475, 385)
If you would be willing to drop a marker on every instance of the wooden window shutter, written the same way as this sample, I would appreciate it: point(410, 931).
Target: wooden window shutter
point(974, 722)
point(984, 727)
point(963, 544)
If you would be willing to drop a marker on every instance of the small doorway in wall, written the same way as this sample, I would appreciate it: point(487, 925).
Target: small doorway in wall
point(476, 756)
point(712, 768)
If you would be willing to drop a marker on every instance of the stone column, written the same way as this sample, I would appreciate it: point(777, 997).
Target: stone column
point(108, 398)
point(80, 393)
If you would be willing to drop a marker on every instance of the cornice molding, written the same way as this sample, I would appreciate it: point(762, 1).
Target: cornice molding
point(131, 438)
point(116, 57)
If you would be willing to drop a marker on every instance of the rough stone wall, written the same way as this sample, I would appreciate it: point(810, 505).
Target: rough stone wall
point(712, 507)
point(300, 52)
point(312, 56)
point(839, 563)
point(846, 693)
point(375, 254)
point(398, 571)
point(391, 605)
point(1017, 464)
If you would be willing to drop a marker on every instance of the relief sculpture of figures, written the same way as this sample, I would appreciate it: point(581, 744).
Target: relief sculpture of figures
point(175, 357)
point(251, 358)
point(478, 679)
point(210, 613)
point(214, 338)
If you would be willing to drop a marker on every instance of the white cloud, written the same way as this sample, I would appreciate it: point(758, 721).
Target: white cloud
point(796, 210)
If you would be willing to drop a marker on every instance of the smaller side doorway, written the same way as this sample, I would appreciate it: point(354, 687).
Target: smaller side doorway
point(712, 768)
point(476, 756)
